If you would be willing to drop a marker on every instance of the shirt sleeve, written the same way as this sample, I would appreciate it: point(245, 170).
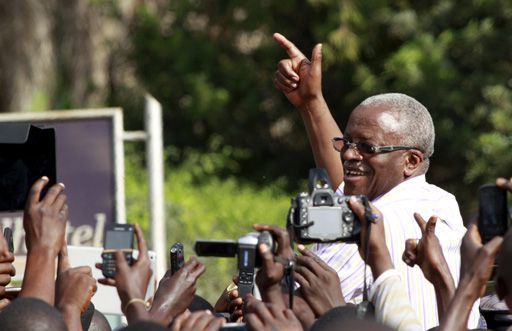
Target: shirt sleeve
point(391, 302)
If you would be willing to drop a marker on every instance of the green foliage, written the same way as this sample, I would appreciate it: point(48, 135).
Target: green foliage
point(203, 206)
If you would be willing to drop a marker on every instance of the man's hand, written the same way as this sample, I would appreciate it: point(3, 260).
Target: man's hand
point(197, 321)
point(231, 302)
point(427, 252)
point(379, 259)
point(319, 283)
point(132, 281)
point(270, 275)
point(74, 289)
point(478, 268)
point(428, 255)
point(297, 77)
point(6, 268)
point(45, 220)
point(504, 183)
point(176, 292)
point(261, 316)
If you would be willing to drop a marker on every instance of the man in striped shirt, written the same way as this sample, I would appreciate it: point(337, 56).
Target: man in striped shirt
point(383, 154)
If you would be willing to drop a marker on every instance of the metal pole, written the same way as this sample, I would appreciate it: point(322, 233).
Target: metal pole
point(155, 163)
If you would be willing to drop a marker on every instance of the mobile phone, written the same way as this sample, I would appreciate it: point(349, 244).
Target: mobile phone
point(117, 237)
point(493, 212)
point(177, 257)
point(8, 239)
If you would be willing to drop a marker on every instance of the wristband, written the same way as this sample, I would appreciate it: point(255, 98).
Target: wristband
point(134, 300)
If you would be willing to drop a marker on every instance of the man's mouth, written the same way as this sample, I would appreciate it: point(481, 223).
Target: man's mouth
point(354, 172)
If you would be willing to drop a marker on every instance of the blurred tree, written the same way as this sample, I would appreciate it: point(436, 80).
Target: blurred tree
point(211, 64)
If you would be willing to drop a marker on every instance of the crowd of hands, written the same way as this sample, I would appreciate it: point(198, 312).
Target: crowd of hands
point(70, 289)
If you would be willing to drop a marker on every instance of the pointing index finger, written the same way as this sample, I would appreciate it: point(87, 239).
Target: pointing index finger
point(421, 222)
point(293, 52)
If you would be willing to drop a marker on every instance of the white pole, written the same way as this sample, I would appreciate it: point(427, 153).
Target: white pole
point(155, 166)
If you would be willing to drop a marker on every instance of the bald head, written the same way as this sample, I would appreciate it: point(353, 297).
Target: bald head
point(406, 117)
point(31, 314)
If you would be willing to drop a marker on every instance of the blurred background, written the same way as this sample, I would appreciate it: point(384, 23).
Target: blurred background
point(236, 151)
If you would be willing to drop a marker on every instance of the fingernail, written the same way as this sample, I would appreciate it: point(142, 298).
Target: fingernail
point(45, 178)
point(301, 247)
point(294, 85)
point(353, 199)
point(62, 184)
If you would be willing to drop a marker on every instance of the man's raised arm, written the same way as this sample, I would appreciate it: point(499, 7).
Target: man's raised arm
point(301, 82)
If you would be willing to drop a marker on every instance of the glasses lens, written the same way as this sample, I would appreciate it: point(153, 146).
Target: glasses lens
point(365, 147)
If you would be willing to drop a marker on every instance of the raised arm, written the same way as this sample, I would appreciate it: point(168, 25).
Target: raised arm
point(301, 82)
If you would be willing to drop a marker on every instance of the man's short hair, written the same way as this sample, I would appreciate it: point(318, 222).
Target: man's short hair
point(30, 314)
point(416, 125)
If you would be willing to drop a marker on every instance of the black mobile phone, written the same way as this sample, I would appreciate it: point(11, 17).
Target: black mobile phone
point(117, 237)
point(177, 257)
point(493, 212)
point(8, 239)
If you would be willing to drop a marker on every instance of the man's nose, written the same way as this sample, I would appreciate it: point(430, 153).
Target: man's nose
point(351, 153)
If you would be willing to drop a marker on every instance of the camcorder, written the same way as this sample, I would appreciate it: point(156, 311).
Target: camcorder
point(27, 153)
point(246, 251)
point(321, 216)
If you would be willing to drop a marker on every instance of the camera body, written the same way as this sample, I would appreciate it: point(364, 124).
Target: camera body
point(321, 216)
point(246, 251)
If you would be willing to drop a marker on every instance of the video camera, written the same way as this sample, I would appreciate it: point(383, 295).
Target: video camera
point(246, 251)
point(27, 153)
point(321, 216)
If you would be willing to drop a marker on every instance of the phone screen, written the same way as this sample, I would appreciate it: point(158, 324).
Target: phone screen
point(118, 239)
point(493, 212)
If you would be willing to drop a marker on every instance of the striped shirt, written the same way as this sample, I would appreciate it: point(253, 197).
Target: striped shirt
point(398, 207)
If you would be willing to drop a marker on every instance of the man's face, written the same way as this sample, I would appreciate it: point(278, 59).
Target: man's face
point(372, 174)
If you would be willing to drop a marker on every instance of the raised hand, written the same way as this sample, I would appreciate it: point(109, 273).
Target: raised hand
point(319, 283)
point(297, 77)
point(132, 281)
point(504, 183)
point(176, 292)
point(197, 321)
point(426, 252)
point(6, 269)
point(478, 268)
point(269, 276)
point(231, 302)
point(73, 290)
point(428, 255)
point(262, 316)
point(379, 259)
point(44, 221)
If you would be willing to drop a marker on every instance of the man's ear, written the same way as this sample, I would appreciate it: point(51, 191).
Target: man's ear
point(413, 162)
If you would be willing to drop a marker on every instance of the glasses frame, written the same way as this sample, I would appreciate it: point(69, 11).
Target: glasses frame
point(366, 148)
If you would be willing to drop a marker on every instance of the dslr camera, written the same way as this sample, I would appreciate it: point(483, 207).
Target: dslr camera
point(246, 251)
point(321, 216)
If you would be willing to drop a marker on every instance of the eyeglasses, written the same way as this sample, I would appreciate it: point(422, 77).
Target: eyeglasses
point(341, 144)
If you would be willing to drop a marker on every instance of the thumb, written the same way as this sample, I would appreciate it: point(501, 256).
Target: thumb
point(63, 259)
point(316, 60)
